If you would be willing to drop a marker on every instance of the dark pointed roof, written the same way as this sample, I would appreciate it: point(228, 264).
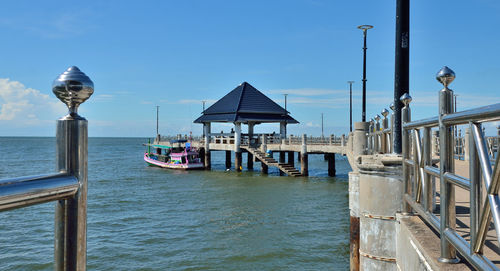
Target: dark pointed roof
point(245, 104)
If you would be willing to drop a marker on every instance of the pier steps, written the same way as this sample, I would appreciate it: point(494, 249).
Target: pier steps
point(269, 161)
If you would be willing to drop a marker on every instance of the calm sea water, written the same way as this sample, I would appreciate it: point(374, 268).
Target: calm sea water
point(146, 218)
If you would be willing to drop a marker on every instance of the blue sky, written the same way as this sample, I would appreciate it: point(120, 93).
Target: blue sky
point(177, 53)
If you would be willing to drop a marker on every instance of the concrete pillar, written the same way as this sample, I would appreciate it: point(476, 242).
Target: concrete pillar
point(237, 144)
point(380, 198)
point(359, 146)
point(291, 162)
point(331, 164)
point(359, 138)
point(250, 133)
point(263, 146)
point(282, 130)
point(206, 132)
point(265, 169)
point(228, 159)
point(304, 166)
point(342, 140)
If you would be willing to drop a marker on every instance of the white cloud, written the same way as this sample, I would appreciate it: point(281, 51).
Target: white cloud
point(306, 91)
point(22, 105)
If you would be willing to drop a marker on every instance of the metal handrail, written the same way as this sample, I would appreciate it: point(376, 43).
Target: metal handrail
point(418, 170)
point(68, 187)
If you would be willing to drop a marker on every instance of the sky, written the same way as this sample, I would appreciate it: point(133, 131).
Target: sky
point(176, 54)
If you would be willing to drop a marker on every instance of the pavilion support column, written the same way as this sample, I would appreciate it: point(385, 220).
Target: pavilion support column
point(206, 132)
point(304, 165)
point(291, 162)
point(283, 130)
point(249, 161)
point(331, 164)
point(237, 144)
point(228, 159)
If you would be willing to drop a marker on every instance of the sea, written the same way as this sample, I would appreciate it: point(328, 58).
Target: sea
point(147, 218)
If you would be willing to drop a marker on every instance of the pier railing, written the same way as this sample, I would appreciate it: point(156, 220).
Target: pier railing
point(419, 172)
point(256, 139)
point(68, 187)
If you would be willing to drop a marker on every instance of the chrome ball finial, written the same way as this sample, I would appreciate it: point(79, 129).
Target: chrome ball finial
point(405, 99)
point(385, 112)
point(73, 88)
point(392, 106)
point(445, 76)
point(377, 117)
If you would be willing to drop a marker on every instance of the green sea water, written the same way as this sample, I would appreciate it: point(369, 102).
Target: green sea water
point(147, 218)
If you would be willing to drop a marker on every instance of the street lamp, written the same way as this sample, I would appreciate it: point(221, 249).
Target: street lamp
point(286, 112)
point(365, 30)
point(157, 109)
point(350, 104)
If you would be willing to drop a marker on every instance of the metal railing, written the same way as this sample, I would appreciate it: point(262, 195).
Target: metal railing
point(256, 139)
point(68, 187)
point(419, 172)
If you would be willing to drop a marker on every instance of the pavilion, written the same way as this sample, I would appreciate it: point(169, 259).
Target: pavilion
point(243, 105)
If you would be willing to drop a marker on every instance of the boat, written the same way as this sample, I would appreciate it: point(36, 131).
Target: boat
point(178, 155)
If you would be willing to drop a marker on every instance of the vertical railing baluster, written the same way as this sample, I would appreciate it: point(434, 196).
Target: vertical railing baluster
point(405, 139)
point(427, 189)
point(475, 190)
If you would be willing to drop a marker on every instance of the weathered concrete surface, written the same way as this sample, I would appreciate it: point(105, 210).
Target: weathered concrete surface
point(380, 198)
point(418, 247)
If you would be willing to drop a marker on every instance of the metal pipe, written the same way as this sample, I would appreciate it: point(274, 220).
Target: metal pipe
point(476, 115)
point(429, 122)
point(447, 191)
point(365, 30)
point(30, 190)
point(475, 190)
point(427, 162)
point(401, 65)
point(457, 180)
point(406, 117)
point(432, 171)
point(477, 260)
point(70, 244)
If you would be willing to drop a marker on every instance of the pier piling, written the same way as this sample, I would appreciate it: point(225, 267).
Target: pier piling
point(304, 167)
point(228, 159)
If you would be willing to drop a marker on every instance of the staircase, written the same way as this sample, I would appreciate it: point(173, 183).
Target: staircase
point(271, 162)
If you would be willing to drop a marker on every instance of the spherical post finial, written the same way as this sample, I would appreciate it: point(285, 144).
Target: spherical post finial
point(377, 117)
point(405, 99)
point(445, 76)
point(392, 106)
point(73, 88)
point(385, 112)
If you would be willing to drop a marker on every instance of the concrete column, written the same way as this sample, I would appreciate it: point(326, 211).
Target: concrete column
point(206, 132)
point(265, 169)
point(249, 161)
point(237, 144)
point(263, 146)
point(282, 130)
point(331, 164)
point(228, 159)
point(342, 140)
point(291, 162)
point(359, 138)
point(380, 198)
point(359, 144)
point(250, 132)
point(304, 167)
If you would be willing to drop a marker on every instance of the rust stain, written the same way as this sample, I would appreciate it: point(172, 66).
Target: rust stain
point(354, 243)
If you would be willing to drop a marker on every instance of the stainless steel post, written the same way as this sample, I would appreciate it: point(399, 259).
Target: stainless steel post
point(427, 159)
point(376, 135)
point(475, 190)
point(447, 191)
point(406, 117)
point(385, 138)
point(393, 117)
point(72, 87)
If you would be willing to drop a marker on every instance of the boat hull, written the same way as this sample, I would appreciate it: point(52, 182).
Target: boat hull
point(156, 163)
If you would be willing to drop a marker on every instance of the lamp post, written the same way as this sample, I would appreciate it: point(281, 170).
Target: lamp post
point(350, 105)
point(322, 134)
point(286, 112)
point(157, 109)
point(365, 30)
point(203, 102)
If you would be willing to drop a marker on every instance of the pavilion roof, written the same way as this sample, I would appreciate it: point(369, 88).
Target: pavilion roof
point(245, 104)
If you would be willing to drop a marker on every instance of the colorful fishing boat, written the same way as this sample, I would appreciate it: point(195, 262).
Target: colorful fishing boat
point(179, 155)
